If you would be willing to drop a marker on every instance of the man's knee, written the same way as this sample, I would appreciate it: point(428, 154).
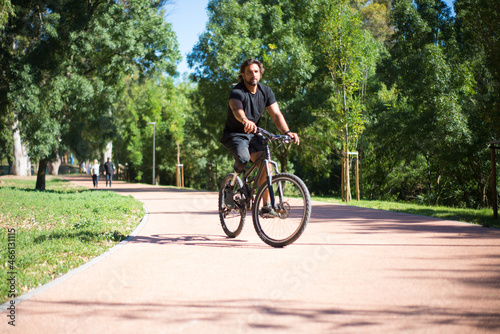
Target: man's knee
point(240, 162)
point(239, 166)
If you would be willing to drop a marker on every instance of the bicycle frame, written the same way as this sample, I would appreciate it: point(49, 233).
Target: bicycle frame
point(290, 201)
point(266, 159)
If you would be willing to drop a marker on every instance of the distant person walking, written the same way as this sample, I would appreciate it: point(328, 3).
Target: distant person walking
point(95, 173)
point(109, 171)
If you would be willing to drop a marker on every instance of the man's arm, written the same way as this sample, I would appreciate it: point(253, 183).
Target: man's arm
point(280, 122)
point(238, 112)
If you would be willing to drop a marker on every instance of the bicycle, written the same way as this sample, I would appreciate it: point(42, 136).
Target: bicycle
point(290, 202)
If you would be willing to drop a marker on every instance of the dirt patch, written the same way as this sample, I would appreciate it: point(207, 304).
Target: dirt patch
point(27, 178)
point(15, 177)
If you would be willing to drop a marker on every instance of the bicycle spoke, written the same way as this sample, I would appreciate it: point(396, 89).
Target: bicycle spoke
point(291, 213)
point(232, 218)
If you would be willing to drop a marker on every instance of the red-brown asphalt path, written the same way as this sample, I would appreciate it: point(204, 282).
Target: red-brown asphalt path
point(353, 270)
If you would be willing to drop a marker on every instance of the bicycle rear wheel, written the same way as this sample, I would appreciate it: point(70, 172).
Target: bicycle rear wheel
point(291, 214)
point(232, 217)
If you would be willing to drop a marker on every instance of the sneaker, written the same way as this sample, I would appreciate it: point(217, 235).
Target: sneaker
point(228, 197)
point(268, 212)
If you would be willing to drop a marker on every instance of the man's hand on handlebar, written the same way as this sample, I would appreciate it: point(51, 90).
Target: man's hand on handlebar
point(249, 126)
point(294, 136)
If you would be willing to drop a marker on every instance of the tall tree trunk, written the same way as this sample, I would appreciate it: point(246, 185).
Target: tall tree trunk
point(347, 181)
point(108, 152)
point(54, 166)
point(40, 179)
point(360, 157)
point(22, 164)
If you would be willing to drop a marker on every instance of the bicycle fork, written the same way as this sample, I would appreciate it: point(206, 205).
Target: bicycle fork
point(269, 177)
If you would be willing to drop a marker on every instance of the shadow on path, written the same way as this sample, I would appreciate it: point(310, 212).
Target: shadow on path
point(367, 221)
point(197, 240)
point(285, 313)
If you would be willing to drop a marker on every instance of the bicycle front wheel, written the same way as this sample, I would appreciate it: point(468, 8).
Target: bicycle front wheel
point(288, 219)
point(232, 215)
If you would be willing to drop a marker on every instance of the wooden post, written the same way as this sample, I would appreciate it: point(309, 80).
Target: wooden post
point(494, 179)
point(345, 183)
point(360, 157)
point(357, 177)
point(179, 171)
point(178, 175)
point(342, 178)
point(178, 181)
point(347, 179)
point(183, 176)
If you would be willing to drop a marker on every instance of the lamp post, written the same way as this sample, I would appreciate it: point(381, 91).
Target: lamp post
point(154, 136)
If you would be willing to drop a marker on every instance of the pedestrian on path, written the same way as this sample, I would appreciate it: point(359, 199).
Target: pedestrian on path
point(109, 171)
point(95, 173)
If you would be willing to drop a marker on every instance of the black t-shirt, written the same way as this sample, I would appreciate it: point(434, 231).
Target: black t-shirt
point(253, 104)
point(108, 167)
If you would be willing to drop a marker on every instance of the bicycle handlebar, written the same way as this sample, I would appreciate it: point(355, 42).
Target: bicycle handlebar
point(286, 139)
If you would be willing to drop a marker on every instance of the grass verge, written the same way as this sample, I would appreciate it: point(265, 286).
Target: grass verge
point(44, 235)
point(483, 217)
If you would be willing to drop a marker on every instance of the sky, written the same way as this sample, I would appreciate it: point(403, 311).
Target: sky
point(189, 19)
point(450, 4)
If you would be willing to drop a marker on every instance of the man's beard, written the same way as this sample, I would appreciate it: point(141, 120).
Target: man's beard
point(252, 83)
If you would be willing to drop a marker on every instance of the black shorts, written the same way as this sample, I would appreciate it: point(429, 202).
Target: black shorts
point(240, 146)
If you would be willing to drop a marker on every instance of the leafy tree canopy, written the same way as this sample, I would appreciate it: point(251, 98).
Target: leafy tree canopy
point(67, 61)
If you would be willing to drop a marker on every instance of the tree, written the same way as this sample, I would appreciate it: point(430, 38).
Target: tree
point(276, 33)
point(479, 28)
point(284, 35)
point(158, 100)
point(5, 11)
point(74, 68)
point(375, 16)
point(350, 53)
point(425, 121)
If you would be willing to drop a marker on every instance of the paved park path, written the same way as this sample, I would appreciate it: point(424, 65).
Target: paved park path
point(353, 270)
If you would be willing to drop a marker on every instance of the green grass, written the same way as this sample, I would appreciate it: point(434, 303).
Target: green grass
point(482, 217)
point(59, 229)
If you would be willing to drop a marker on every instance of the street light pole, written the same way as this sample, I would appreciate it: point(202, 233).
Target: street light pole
point(154, 137)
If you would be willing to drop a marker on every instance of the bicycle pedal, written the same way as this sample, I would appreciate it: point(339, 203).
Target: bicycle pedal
point(267, 212)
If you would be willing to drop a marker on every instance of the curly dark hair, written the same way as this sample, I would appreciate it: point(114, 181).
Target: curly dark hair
point(249, 62)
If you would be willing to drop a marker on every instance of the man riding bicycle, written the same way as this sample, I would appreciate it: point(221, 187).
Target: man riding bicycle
point(247, 102)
